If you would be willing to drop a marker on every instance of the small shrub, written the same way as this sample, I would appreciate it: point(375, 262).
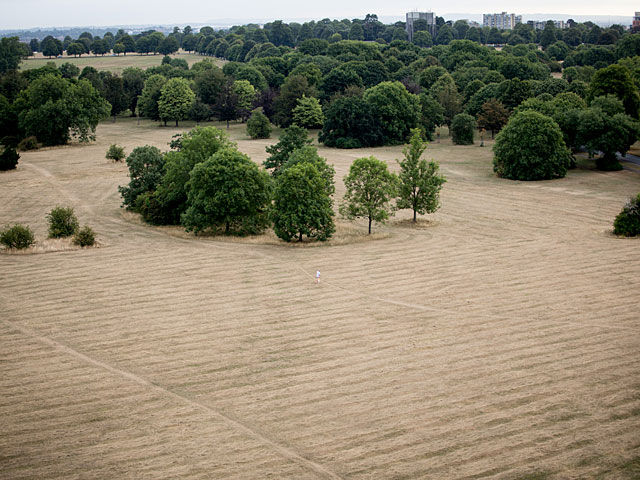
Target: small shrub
point(462, 129)
point(627, 223)
point(258, 126)
point(29, 143)
point(62, 222)
point(115, 153)
point(9, 159)
point(17, 236)
point(85, 237)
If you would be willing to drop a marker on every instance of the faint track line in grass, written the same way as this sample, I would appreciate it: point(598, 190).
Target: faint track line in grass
point(286, 451)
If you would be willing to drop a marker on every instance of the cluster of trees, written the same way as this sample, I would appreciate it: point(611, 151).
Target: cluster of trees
point(205, 184)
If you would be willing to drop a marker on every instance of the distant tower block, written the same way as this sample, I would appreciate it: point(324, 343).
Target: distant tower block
point(636, 20)
point(427, 16)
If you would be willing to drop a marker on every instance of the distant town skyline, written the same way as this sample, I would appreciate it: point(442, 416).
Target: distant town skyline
point(24, 14)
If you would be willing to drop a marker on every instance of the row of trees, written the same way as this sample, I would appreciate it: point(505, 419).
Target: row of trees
point(205, 184)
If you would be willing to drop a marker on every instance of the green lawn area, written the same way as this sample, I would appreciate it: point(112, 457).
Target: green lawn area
point(115, 64)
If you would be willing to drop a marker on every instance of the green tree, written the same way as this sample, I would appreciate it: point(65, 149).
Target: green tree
point(118, 48)
point(168, 45)
point(493, 116)
point(226, 190)
point(246, 94)
point(616, 80)
point(51, 47)
point(69, 70)
point(99, 47)
point(308, 113)
point(150, 96)
point(356, 32)
point(444, 90)
point(133, 84)
point(226, 106)
point(176, 98)
point(115, 153)
point(301, 204)
point(291, 139)
point(294, 88)
point(12, 51)
point(62, 222)
point(396, 110)
point(54, 110)
point(370, 189)
point(530, 147)
point(462, 129)
point(258, 125)
point(420, 182)
point(76, 49)
point(193, 147)
point(209, 83)
point(349, 123)
point(114, 93)
point(599, 131)
point(627, 222)
point(431, 115)
point(145, 172)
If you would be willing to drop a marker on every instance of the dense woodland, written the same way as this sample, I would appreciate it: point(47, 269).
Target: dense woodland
point(358, 80)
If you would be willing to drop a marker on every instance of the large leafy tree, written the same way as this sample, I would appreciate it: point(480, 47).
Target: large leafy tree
point(12, 51)
point(420, 182)
point(616, 80)
point(54, 110)
point(308, 113)
point(349, 123)
point(148, 101)
point(115, 94)
point(133, 83)
point(294, 88)
point(493, 116)
point(530, 147)
point(193, 147)
point(302, 204)
point(395, 109)
point(246, 95)
point(209, 83)
point(606, 132)
point(370, 190)
point(290, 139)
point(227, 190)
point(176, 98)
point(145, 171)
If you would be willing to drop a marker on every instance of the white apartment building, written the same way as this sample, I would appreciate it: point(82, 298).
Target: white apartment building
point(501, 21)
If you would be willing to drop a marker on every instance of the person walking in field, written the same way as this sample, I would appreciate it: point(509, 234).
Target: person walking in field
point(317, 276)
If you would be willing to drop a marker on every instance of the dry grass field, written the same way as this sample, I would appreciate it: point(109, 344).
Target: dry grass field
point(110, 63)
point(498, 338)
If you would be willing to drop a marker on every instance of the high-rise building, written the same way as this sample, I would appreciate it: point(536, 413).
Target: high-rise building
point(560, 24)
point(427, 16)
point(636, 20)
point(501, 21)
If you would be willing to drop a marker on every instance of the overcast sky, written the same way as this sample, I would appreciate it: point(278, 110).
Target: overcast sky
point(58, 13)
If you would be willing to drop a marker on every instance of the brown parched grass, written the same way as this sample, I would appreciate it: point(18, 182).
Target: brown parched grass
point(498, 338)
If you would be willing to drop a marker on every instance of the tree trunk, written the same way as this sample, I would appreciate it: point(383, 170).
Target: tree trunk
point(369, 225)
point(176, 122)
point(300, 237)
point(226, 227)
point(414, 217)
point(227, 124)
point(114, 118)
